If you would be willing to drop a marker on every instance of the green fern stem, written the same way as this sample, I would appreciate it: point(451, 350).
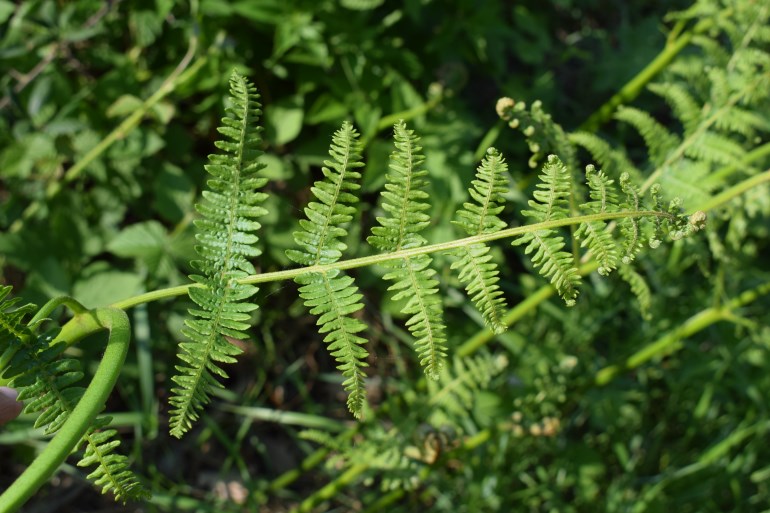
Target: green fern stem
point(354, 263)
point(636, 85)
point(83, 415)
point(672, 341)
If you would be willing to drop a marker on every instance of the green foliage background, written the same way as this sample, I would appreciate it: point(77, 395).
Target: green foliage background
point(687, 432)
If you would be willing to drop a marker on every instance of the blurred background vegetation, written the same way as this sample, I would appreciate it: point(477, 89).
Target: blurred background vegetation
point(685, 434)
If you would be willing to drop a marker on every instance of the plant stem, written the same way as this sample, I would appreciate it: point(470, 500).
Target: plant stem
point(634, 87)
point(671, 341)
point(736, 190)
point(84, 413)
point(397, 255)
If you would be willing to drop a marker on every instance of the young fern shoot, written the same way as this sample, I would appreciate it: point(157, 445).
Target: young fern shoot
point(226, 236)
point(332, 295)
point(404, 199)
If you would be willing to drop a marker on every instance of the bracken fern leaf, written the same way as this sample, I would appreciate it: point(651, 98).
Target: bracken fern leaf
point(226, 235)
point(477, 270)
point(404, 199)
point(594, 234)
point(550, 203)
point(332, 295)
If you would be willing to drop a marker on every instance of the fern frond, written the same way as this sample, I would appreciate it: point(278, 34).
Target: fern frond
point(323, 227)
point(226, 235)
point(550, 203)
point(612, 160)
point(488, 189)
point(715, 148)
point(112, 473)
point(551, 194)
point(332, 295)
point(630, 228)
point(477, 270)
point(639, 287)
point(44, 381)
point(660, 141)
point(404, 200)
point(544, 136)
point(404, 196)
point(686, 108)
point(743, 121)
point(594, 234)
point(12, 327)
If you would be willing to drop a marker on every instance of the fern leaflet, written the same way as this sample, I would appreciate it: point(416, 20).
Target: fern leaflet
point(660, 141)
point(403, 199)
point(477, 270)
point(550, 203)
point(594, 234)
point(332, 295)
point(226, 235)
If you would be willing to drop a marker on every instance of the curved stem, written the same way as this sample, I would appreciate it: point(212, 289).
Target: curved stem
point(84, 413)
point(68, 301)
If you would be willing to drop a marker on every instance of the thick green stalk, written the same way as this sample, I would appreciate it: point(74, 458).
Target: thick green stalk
point(672, 341)
point(636, 85)
point(84, 413)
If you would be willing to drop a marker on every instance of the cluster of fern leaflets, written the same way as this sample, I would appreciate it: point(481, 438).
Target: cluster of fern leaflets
point(551, 204)
point(718, 94)
point(47, 381)
point(331, 295)
point(226, 236)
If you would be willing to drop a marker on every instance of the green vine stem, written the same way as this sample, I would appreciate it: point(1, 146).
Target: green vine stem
point(82, 416)
point(715, 202)
point(672, 341)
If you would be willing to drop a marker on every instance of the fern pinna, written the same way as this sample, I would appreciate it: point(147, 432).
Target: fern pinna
point(331, 294)
point(226, 236)
point(478, 271)
point(405, 201)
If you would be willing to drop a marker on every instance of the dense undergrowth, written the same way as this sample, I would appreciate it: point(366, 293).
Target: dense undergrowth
point(649, 394)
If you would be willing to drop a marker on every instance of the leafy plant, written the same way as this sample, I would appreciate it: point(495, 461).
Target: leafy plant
point(226, 238)
point(573, 388)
